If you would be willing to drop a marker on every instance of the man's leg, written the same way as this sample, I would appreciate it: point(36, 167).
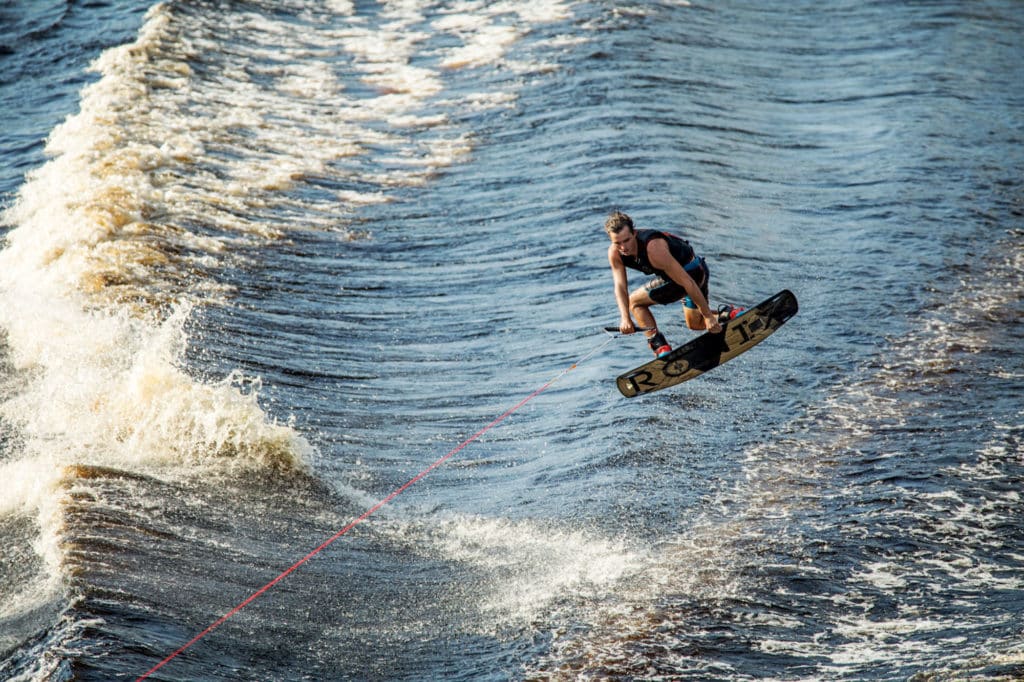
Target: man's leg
point(694, 320)
point(640, 303)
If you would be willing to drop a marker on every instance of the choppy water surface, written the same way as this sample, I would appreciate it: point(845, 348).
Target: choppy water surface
point(265, 262)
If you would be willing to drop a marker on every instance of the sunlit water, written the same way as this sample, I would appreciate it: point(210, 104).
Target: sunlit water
point(268, 261)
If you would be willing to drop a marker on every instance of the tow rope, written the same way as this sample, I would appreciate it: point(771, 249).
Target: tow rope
point(369, 512)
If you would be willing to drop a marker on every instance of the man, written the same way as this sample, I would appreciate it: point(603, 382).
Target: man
point(681, 274)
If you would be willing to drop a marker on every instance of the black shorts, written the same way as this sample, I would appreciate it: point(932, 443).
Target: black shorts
point(664, 291)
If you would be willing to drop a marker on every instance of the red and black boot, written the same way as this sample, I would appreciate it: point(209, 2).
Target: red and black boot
point(659, 344)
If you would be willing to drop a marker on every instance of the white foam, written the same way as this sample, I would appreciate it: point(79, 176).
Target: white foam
point(878, 640)
point(881, 575)
point(104, 262)
point(531, 564)
point(107, 389)
point(486, 45)
point(341, 7)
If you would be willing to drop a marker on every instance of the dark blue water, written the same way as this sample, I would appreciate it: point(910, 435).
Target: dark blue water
point(266, 262)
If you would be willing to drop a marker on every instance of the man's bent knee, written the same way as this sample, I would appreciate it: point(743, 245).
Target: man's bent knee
point(694, 320)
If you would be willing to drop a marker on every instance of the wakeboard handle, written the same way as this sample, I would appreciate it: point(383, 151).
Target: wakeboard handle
point(639, 329)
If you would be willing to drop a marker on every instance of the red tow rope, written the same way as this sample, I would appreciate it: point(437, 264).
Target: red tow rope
point(367, 514)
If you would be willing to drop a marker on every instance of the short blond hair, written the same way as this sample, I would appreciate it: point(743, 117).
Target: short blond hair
point(617, 222)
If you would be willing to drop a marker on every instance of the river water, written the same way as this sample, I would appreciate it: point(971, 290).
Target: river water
point(265, 262)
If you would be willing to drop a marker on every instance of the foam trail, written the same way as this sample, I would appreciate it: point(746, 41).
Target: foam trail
point(94, 300)
point(184, 154)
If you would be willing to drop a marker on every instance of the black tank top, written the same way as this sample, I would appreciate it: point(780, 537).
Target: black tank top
point(677, 246)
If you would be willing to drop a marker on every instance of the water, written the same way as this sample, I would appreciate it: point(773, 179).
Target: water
point(266, 262)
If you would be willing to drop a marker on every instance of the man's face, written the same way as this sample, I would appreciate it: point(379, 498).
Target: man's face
point(624, 241)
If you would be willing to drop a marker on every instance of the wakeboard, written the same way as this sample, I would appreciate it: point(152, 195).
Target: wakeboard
point(709, 350)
